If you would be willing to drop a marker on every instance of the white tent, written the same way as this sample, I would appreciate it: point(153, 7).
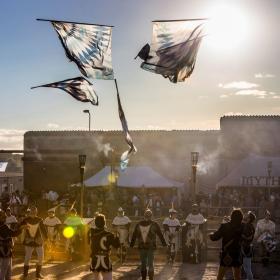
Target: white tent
point(253, 171)
point(132, 177)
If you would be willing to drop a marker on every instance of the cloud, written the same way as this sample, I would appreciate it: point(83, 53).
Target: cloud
point(11, 139)
point(53, 125)
point(234, 114)
point(252, 92)
point(224, 96)
point(264, 75)
point(238, 85)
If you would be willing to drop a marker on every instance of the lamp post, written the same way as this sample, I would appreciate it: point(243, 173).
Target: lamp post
point(82, 165)
point(89, 118)
point(194, 161)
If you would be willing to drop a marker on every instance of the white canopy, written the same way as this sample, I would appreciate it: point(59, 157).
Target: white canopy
point(133, 177)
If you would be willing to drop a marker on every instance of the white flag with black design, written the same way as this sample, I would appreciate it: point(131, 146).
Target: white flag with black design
point(80, 88)
point(174, 48)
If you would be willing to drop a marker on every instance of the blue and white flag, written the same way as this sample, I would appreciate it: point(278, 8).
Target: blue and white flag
point(80, 88)
point(89, 46)
point(132, 149)
point(174, 48)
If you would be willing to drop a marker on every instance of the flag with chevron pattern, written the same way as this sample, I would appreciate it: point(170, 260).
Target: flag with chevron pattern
point(89, 46)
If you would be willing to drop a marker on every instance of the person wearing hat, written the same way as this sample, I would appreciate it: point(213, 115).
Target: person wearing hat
point(122, 224)
point(171, 227)
point(34, 240)
point(52, 224)
point(101, 243)
point(192, 236)
point(265, 234)
point(145, 233)
point(6, 246)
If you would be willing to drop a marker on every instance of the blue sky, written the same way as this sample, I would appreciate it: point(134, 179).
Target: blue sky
point(235, 80)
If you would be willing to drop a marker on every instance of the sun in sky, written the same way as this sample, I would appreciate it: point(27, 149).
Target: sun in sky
point(228, 27)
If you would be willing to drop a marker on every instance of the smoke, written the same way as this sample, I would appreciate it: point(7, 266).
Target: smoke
point(101, 147)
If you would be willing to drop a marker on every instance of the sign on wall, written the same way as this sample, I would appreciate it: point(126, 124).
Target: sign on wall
point(260, 181)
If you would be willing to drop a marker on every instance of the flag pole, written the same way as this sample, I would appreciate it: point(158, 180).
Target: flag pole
point(175, 20)
point(74, 22)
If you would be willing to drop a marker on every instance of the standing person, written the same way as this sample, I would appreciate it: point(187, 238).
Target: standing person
point(231, 235)
point(11, 220)
point(101, 242)
point(73, 244)
point(34, 240)
point(171, 227)
point(5, 198)
point(52, 224)
point(247, 246)
point(146, 232)
point(192, 236)
point(265, 233)
point(6, 247)
point(122, 224)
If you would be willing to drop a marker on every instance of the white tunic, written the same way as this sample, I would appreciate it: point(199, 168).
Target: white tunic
point(51, 223)
point(121, 224)
point(263, 228)
point(172, 236)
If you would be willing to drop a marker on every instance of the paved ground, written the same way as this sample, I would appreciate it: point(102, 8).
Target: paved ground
point(129, 271)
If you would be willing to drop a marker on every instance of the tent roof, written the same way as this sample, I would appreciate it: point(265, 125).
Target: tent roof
point(253, 165)
point(133, 177)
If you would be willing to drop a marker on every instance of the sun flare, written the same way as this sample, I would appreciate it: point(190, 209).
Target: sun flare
point(228, 27)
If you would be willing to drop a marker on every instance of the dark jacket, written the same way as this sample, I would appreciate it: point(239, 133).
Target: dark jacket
point(247, 239)
point(101, 242)
point(146, 232)
point(231, 236)
point(6, 241)
point(37, 227)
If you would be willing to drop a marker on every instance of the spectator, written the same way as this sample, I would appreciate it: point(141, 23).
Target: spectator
point(231, 235)
point(5, 198)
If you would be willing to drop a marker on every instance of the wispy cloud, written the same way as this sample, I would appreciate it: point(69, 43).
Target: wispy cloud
point(238, 85)
point(252, 92)
point(53, 125)
point(264, 75)
point(11, 138)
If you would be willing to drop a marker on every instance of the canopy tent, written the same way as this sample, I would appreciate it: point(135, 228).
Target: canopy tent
point(132, 177)
point(254, 171)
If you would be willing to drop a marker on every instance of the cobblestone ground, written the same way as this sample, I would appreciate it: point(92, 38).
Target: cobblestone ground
point(129, 271)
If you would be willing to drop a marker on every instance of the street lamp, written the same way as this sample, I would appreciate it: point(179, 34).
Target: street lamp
point(88, 112)
point(82, 164)
point(194, 161)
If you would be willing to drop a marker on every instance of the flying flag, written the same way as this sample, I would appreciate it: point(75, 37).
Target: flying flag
point(88, 45)
point(80, 88)
point(132, 149)
point(174, 48)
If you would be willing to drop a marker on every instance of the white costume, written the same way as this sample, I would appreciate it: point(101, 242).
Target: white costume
point(121, 223)
point(11, 220)
point(263, 228)
point(172, 234)
point(52, 223)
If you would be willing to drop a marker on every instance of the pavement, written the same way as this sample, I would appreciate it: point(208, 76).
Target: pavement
point(130, 271)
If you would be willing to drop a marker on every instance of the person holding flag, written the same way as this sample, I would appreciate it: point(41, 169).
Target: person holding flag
point(145, 233)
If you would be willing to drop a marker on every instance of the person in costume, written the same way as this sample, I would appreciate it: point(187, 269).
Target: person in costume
point(73, 243)
point(265, 236)
point(145, 233)
point(101, 242)
point(34, 236)
point(192, 236)
point(171, 227)
point(6, 246)
point(52, 224)
point(122, 224)
point(231, 254)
